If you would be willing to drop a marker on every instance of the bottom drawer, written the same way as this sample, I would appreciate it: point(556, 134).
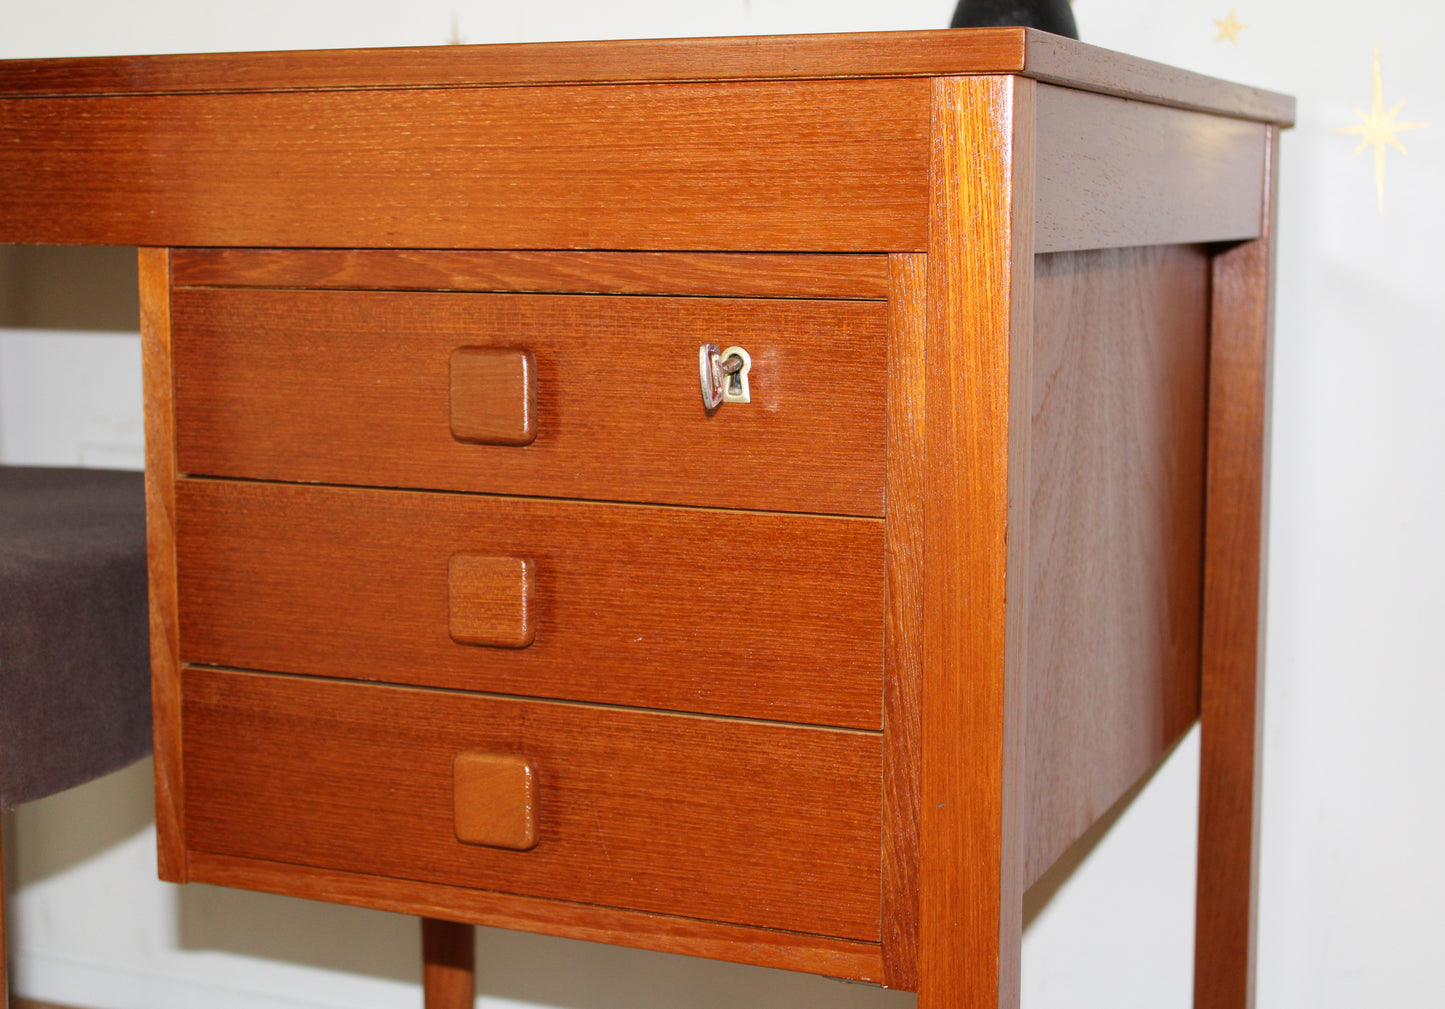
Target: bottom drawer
point(720, 819)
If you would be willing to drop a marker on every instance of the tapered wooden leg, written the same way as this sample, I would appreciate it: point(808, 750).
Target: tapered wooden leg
point(1231, 707)
point(448, 968)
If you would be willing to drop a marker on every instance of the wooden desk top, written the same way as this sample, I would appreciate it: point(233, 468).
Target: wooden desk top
point(1027, 52)
point(776, 143)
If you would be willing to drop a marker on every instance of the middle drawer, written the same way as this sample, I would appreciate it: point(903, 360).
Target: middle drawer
point(772, 616)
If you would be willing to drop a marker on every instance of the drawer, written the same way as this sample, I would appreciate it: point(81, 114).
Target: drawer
point(717, 819)
point(761, 615)
point(395, 389)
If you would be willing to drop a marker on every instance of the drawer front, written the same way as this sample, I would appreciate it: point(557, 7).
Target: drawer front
point(718, 819)
point(395, 389)
point(760, 615)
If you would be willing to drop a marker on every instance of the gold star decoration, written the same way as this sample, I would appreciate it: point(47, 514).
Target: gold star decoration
point(1229, 29)
point(1378, 130)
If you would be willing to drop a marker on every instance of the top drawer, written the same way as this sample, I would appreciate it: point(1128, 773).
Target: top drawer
point(366, 387)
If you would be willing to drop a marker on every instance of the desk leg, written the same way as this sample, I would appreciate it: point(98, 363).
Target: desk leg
point(1231, 699)
point(448, 968)
point(976, 426)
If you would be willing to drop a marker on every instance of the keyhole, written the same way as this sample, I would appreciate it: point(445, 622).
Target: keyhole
point(735, 386)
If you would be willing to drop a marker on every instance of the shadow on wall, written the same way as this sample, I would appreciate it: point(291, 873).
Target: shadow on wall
point(64, 830)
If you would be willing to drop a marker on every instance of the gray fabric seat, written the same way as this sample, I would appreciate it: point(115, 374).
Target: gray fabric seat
point(74, 648)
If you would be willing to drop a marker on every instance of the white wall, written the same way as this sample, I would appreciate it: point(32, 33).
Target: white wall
point(1352, 889)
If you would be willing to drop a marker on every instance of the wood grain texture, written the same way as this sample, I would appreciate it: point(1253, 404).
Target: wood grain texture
point(448, 965)
point(975, 540)
point(903, 643)
point(827, 166)
point(715, 274)
point(757, 615)
point(635, 809)
point(1115, 173)
point(917, 53)
point(913, 53)
point(1115, 528)
point(1232, 697)
point(160, 477)
point(494, 800)
point(491, 600)
point(352, 388)
point(664, 933)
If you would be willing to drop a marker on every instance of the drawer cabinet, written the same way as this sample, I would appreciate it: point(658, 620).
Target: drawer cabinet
point(670, 617)
point(469, 603)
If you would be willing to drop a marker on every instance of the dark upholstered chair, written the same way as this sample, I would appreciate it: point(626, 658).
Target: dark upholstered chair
point(74, 648)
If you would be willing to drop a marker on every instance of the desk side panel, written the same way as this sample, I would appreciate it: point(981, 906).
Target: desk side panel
point(1114, 173)
point(826, 166)
point(1116, 525)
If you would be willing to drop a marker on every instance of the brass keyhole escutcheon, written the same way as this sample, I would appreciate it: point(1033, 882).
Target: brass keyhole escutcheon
point(724, 375)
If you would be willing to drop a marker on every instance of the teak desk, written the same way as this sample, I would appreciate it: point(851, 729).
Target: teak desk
point(465, 605)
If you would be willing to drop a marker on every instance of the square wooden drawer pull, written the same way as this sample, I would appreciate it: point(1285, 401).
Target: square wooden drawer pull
point(489, 600)
point(493, 395)
point(494, 799)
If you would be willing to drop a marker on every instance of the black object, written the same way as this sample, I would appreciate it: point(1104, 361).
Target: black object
point(1047, 15)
